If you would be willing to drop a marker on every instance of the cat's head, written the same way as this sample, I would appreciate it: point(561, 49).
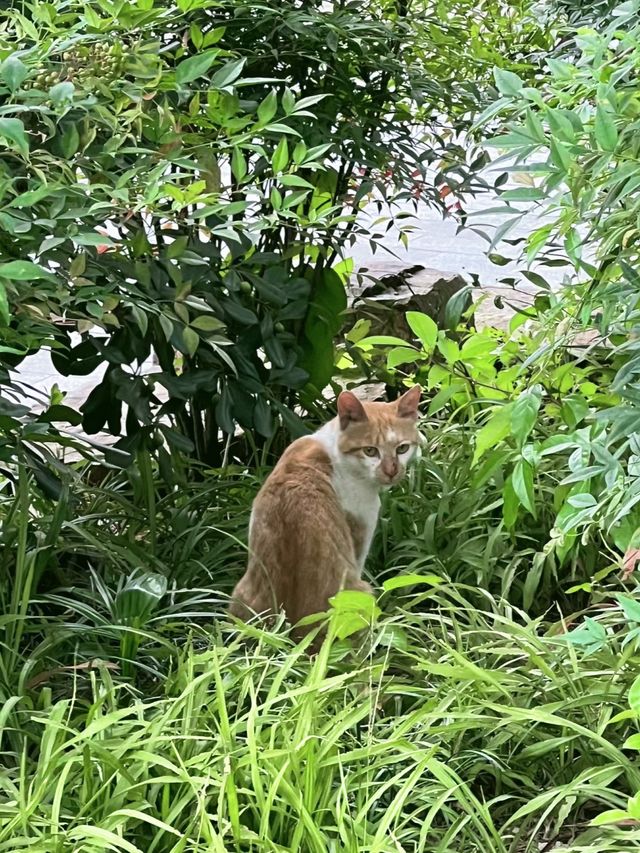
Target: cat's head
point(378, 440)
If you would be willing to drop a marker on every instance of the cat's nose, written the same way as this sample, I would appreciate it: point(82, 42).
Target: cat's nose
point(390, 468)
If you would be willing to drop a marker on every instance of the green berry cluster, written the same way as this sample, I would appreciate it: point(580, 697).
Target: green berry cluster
point(83, 62)
point(45, 80)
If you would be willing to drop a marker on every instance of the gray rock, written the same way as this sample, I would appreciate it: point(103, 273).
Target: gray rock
point(392, 289)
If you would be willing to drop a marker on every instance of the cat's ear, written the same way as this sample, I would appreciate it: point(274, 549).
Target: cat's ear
point(350, 409)
point(408, 403)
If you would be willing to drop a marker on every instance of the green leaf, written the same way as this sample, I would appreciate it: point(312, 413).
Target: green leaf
point(351, 611)
point(62, 92)
point(70, 140)
point(400, 355)
point(13, 71)
point(424, 328)
point(525, 413)
point(191, 340)
point(139, 597)
point(288, 101)
point(507, 82)
point(522, 480)
point(267, 109)
point(299, 153)
point(280, 156)
point(309, 101)
point(49, 482)
point(496, 429)
point(23, 271)
point(568, 517)
point(443, 396)
point(561, 69)
point(632, 742)
point(238, 164)
point(224, 412)
point(324, 320)
point(178, 248)
point(633, 807)
point(276, 199)
point(140, 318)
point(195, 66)
point(90, 238)
point(5, 316)
point(166, 325)
point(456, 305)
point(12, 131)
point(579, 587)
point(523, 194)
point(610, 816)
point(605, 129)
point(196, 36)
point(581, 500)
point(510, 504)
point(631, 609)
point(410, 579)
point(61, 413)
point(384, 340)
point(561, 155)
point(176, 440)
point(449, 349)
point(262, 418)
point(280, 128)
point(227, 74)
point(207, 323)
point(591, 636)
point(295, 181)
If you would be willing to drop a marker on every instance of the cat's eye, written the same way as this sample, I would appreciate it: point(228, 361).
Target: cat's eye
point(402, 448)
point(370, 451)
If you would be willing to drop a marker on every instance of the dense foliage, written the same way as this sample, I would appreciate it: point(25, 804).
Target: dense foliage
point(179, 189)
point(227, 149)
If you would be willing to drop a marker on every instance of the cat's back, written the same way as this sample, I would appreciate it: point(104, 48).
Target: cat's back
point(297, 504)
point(304, 466)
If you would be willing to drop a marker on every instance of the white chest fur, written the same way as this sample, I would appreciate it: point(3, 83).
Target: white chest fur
point(358, 496)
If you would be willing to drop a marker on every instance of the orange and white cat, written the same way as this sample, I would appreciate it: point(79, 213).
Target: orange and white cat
point(313, 520)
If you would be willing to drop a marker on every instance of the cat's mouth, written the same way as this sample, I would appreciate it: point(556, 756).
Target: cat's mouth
point(387, 481)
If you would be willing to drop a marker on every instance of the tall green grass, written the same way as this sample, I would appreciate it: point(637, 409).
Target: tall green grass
point(451, 729)
point(137, 717)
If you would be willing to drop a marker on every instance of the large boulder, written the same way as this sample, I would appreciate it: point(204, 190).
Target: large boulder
point(390, 290)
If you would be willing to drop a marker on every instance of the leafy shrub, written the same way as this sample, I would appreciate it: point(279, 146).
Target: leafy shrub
point(493, 707)
point(572, 138)
point(182, 181)
point(506, 500)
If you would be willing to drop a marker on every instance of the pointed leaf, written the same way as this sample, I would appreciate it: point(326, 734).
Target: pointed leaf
point(23, 271)
point(5, 316)
point(496, 429)
point(280, 156)
point(267, 109)
point(195, 66)
point(610, 816)
point(191, 340)
point(525, 412)
point(507, 82)
point(522, 481)
point(13, 71)
point(227, 74)
point(423, 327)
point(401, 581)
point(238, 164)
point(13, 132)
point(605, 129)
